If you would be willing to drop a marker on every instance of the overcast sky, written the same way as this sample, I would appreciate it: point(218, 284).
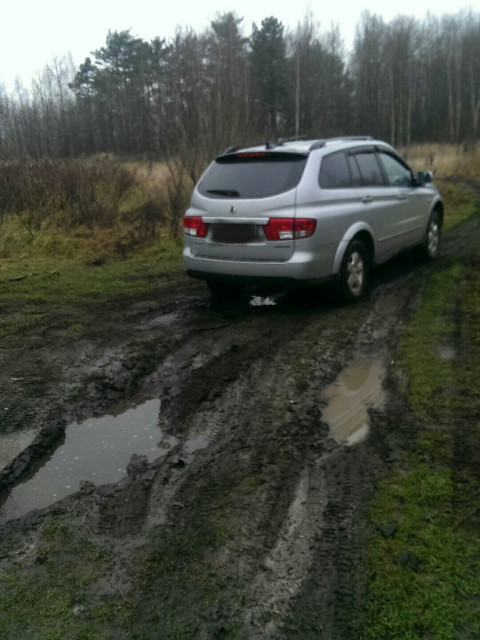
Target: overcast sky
point(32, 32)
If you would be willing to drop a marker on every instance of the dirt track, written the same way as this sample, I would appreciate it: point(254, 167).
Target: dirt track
point(252, 522)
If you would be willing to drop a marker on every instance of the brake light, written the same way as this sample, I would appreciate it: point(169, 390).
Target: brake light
point(195, 226)
point(289, 228)
point(304, 227)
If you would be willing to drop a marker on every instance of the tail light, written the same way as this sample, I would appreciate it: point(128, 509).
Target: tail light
point(195, 226)
point(289, 228)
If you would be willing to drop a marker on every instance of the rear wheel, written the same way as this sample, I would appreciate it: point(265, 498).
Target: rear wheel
point(430, 247)
point(354, 272)
point(224, 291)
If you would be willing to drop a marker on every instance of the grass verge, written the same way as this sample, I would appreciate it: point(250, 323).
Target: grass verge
point(36, 289)
point(51, 603)
point(423, 554)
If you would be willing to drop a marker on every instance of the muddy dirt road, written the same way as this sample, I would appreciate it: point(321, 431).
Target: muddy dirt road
point(245, 519)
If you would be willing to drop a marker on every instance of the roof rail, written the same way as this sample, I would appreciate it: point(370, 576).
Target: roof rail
point(353, 138)
point(348, 138)
point(293, 139)
point(318, 144)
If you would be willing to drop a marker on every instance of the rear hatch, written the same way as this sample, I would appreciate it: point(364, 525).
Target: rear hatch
point(245, 201)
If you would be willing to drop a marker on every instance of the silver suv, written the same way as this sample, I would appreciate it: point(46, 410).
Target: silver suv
point(304, 212)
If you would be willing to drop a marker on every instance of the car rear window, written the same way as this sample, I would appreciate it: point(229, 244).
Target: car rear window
point(252, 175)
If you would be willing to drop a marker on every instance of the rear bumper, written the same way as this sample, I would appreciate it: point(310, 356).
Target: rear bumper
point(259, 281)
point(304, 268)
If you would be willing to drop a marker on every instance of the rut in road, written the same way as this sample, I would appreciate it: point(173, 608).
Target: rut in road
point(251, 525)
point(269, 493)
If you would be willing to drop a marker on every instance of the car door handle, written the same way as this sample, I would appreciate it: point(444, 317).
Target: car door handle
point(367, 199)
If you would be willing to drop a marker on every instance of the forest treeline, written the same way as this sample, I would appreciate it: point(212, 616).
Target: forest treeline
point(191, 96)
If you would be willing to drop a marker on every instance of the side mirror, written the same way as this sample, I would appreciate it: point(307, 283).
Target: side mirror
point(424, 177)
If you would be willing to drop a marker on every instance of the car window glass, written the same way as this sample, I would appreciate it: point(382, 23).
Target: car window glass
point(369, 169)
point(355, 172)
point(397, 174)
point(334, 172)
point(255, 177)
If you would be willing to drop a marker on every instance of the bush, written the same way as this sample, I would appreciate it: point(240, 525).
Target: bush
point(66, 193)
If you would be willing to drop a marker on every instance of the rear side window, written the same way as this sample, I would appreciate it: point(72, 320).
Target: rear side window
point(369, 169)
point(334, 172)
point(252, 175)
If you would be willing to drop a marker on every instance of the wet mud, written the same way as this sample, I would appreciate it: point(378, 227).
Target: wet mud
point(271, 419)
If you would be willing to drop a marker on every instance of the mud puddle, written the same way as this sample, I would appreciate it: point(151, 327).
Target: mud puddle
point(97, 451)
point(357, 388)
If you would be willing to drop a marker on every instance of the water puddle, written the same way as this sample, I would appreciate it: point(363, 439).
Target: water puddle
point(97, 450)
point(13, 444)
point(358, 387)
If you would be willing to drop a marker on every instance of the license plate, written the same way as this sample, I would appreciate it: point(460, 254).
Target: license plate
point(235, 233)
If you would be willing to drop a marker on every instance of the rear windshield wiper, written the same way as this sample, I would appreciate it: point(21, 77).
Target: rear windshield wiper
point(231, 193)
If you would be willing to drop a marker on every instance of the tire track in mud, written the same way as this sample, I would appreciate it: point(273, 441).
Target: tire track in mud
point(321, 605)
point(291, 593)
point(298, 515)
point(252, 523)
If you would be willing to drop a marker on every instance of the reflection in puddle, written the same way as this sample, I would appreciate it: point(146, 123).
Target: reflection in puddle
point(358, 387)
point(269, 301)
point(12, 444)
point(97, 450)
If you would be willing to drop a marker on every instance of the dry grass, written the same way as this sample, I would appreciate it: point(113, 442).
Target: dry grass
point(167, 185)
point(155, 176)
point(149, 173)
point(445, 160)
point(102, 206)
point(95, 205)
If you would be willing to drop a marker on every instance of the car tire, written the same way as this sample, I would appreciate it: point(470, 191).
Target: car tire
point(224, 291)
point(430, 247)
point(354, 272)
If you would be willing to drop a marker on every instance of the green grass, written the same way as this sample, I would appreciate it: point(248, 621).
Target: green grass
point(432, 327)
point(181, 579)
point(460, 202)
point(49, 603)
point(440, 599)
point(433, 498)
point(35, 290)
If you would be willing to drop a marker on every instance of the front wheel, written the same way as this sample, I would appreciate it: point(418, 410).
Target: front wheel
point(354, 272)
